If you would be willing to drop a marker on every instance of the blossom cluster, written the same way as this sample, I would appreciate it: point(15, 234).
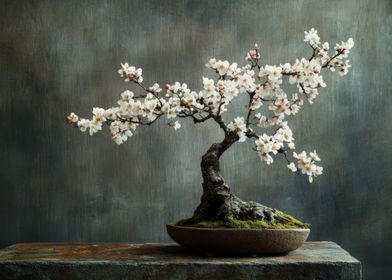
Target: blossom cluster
point(239, 126)
point(307, 164)
point(269, 145)
point(131, 73)
point(269, 105)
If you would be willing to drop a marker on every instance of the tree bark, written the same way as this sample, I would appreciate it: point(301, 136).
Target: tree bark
point(217, 201)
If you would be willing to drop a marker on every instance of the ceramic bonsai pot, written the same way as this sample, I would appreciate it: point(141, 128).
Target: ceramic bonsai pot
point(238, 241)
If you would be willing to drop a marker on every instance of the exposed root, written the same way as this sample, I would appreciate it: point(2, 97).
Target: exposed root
point(223, 205)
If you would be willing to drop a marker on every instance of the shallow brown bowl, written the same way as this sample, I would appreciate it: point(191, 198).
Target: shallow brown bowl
point(238, 241)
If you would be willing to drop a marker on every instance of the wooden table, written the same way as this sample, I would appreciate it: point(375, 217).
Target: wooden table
point(314, 260)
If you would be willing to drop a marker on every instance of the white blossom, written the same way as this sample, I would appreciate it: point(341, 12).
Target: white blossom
point(99, 114)
point(268, 158)
point(291, 166)
point(176, 125)
point(274, 72)
point(307, 166)
point(253, 54)
point(348, 45)
point(291, 146)
point(344, 68)
point(83, 124)
point(234, 70)
point(168, 111)
point(312, 38)
point(256, 104)
point(72, 118)
point(246, 82)
point(127, 95)
point(121, 131)
point(286, 68)
point(91, 126)
point(284, 133)
point(111, 113)
point(211, 63)
point(295, 104)
point(268, 145)
point(314, 156)
point(239, 126)
point(131, 73)
point(155, 88)
point(222, 67)
point(95, 127)
point(209, 88)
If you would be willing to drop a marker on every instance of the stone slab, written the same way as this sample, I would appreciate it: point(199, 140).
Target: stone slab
point(314, 260)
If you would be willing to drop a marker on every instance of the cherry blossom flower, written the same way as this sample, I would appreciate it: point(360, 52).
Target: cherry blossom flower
point(99, 114)
point(306, 164)
point(291, 146)
point(238, 125)
point(83, 124)
point(176, 125)
point(222, 67)
point(344, 68)
point(130, 73)
point(211, 63)
point(254, 54)
point(246, 82)
point(209, 88)
point(291, 166)
point(127, 95)
point(72, 118)
point(155, 88)
point(312, 37)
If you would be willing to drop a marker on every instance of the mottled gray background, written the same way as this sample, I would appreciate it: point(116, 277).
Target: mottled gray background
point(58, 184)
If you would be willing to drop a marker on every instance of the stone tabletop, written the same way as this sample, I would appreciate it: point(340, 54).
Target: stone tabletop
point(314, 260)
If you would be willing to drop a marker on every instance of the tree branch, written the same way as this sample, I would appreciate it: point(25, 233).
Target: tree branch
point(220, 122)
point(332, 58)
point(284, 152)
point(195, 120)
point(250, 134)
point(137, 122)
point(313, 55)
point(251, 95)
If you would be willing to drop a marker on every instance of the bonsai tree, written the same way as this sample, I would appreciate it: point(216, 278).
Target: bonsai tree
point(266, 108)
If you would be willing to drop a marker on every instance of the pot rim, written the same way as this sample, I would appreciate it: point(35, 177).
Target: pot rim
point(239, 229)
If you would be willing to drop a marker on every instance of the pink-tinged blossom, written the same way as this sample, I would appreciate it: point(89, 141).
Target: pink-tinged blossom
point(131, 73)
point(253, 55)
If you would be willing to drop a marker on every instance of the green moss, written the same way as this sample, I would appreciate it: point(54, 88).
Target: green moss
point(231, 222)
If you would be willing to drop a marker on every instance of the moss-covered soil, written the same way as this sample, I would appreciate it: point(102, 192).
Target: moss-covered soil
point(232, 222)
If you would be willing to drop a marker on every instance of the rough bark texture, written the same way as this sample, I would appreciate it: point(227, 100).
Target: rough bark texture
point(217, 201)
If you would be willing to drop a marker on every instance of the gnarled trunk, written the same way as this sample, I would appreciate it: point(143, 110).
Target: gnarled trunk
point(217, 201)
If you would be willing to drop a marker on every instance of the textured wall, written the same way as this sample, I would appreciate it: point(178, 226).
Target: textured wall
point(57, 184)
